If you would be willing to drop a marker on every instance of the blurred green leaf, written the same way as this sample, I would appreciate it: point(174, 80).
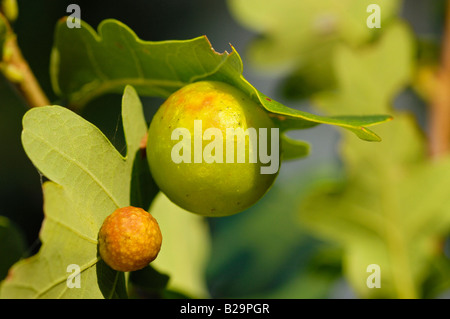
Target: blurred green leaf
point(266, 253)
point(369, 78)
point(89, 180)
point(392, 208)
point(293, 28)
point(313, 76)
point(316, 279)
point(428, 59)
point(10, 9)
point(390, 215)
point(185, 248)
point(12, 245)
point(300, 37)
point(86, 64)
point(4, 29)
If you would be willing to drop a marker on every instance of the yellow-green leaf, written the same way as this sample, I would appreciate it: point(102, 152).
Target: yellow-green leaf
point(89, 179)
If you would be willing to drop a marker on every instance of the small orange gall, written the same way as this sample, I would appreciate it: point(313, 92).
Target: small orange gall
point(129, 239)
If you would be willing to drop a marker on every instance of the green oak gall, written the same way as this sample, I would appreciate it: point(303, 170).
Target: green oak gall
point(129, 239)
point(212, 150)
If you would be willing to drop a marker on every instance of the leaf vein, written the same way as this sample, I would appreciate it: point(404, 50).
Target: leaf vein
point(82, 168)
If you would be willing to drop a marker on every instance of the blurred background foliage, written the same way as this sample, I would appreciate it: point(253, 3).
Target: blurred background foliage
point(308, 237)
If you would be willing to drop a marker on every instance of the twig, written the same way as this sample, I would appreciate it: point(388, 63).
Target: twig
point(439, 119)
point(16, 70)
point(28, 84)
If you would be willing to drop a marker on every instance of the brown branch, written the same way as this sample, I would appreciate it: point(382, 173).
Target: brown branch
point(439, 118)
point(27, 84)
point(16, 70)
